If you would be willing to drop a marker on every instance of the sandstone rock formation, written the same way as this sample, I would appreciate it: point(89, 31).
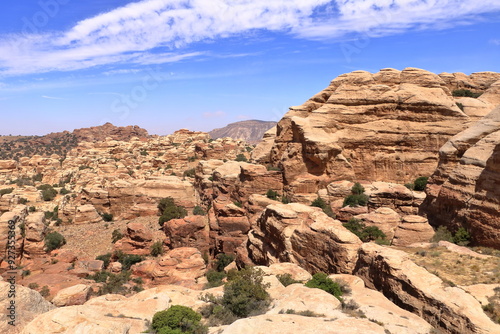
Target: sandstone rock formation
point(305, 236)
point(464, 192)
point(413, 288)
point(386, 126)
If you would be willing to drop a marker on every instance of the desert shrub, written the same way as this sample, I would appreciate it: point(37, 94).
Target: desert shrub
point(321, 203)
point(465, 93)
point(48, 192)
point(33, 286)
point(106, 258)
point(31, 209)
point(460, 106)
point(442, 233)
point(198, 211)
point(127, 260)
point(305, 313)
point(244, 295)
point(116, 235)
point(273, 168)
point(100, 276)
point(286, 279)
point(223, 260)
point(238, 204)
point(357, 196)
point(157, 248)
point(23, 200)
point(178, 319)
point(144, 153)
point(6, 191)
point(169, 210)
point(241, 157)
point(215, 278)
point(190, 172)
point(107, 217)
point(114, 283)
point(271, 194)
point(64, 191)
point(38, 177)
point(461, 237)
point(410, 186)
point(365, 233)
point(45, 292)
point(54, 240)
point(420, 183)
point(323, 282)
point(285, 199)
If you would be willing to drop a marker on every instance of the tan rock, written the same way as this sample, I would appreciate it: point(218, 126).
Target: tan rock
point(297, 273)
point(387, 220)
point(412, 229)
point(191, 231)
point(412, 287)
point(75, 295)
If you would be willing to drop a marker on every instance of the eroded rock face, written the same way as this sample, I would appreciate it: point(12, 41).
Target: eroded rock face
point(386, 126)
point(418, 291)
point(191, 231)
point(305, 236)
point(464, 191)
point(29, 304)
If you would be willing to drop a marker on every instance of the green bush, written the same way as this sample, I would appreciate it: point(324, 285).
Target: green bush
point(461, 237)
point(114, 283)
point(223, 260)
point(45, 292)
point(31, 209)
point(321, 203)
point(410, 186)
point(323, 282)
point(271, 194)
point(127, 260)
point(157, 248)
point(190, 172)
point(38, 177)
point(365, 233)
point(420, 183)
point(238, 204)
point(169, 210)
point(100, 276)
point(357, 196)
point(6, 191)
point(23, 200)
point(64, 191)
point(215, 278)
point(116, 235)
point(48, 192)
point(198, 211)
point(460, 106)
point(178, 319)
point(442, 233)
point(107, 217)
point(465, 93)
point(54, 240)
point(286, 279)
point(241, 157)
point(106, 258)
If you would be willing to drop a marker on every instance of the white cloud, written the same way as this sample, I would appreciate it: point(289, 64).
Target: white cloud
point(134, 33)
point(495, 41)
point(52, 97)
point(215, 114)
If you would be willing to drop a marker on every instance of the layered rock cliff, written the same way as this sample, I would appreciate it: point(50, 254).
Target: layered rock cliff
point(464, 190)
point(386, 126)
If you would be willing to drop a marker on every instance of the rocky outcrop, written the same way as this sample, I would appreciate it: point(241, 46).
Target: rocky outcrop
point(418, 291)
point(28, 305)
point(74, 295)
point(464, 191)
point(137, 239)
point(182, 266)
point(191, 231)
point(386, 126)
point(305, 236)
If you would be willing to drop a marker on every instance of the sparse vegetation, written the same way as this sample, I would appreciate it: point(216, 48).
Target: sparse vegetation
point(286, 279)
point(190, 173)
point(127, 260)
point(48, 192)
point(420, 183)
point(323, 282)
point(271, 194)
point(106, 258)
point(198, 211)
point(461, 237)
point(107, 217)
point(169, 210)
point(321, 203)
point(178, 319)
point(365, 233)
point(54, 240)
point(305, 313)
point(6, 191)
point(241, 157)
point(116, 235)
point(45, 292)
point(157, 249)
point(465, 93)
point(244, 295)
point(357, 197)
point(460, 106)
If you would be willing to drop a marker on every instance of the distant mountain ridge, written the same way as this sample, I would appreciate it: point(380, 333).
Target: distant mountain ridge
point(14, 147)
point(250, 131)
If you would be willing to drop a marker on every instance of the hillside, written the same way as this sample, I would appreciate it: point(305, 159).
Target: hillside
point(250, 131)
point(15, 147)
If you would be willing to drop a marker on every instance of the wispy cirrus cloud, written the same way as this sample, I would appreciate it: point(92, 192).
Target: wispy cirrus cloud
point(156, 31)
point(53, 97)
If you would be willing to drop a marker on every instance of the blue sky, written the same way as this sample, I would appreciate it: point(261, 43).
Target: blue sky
point(199, 64)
